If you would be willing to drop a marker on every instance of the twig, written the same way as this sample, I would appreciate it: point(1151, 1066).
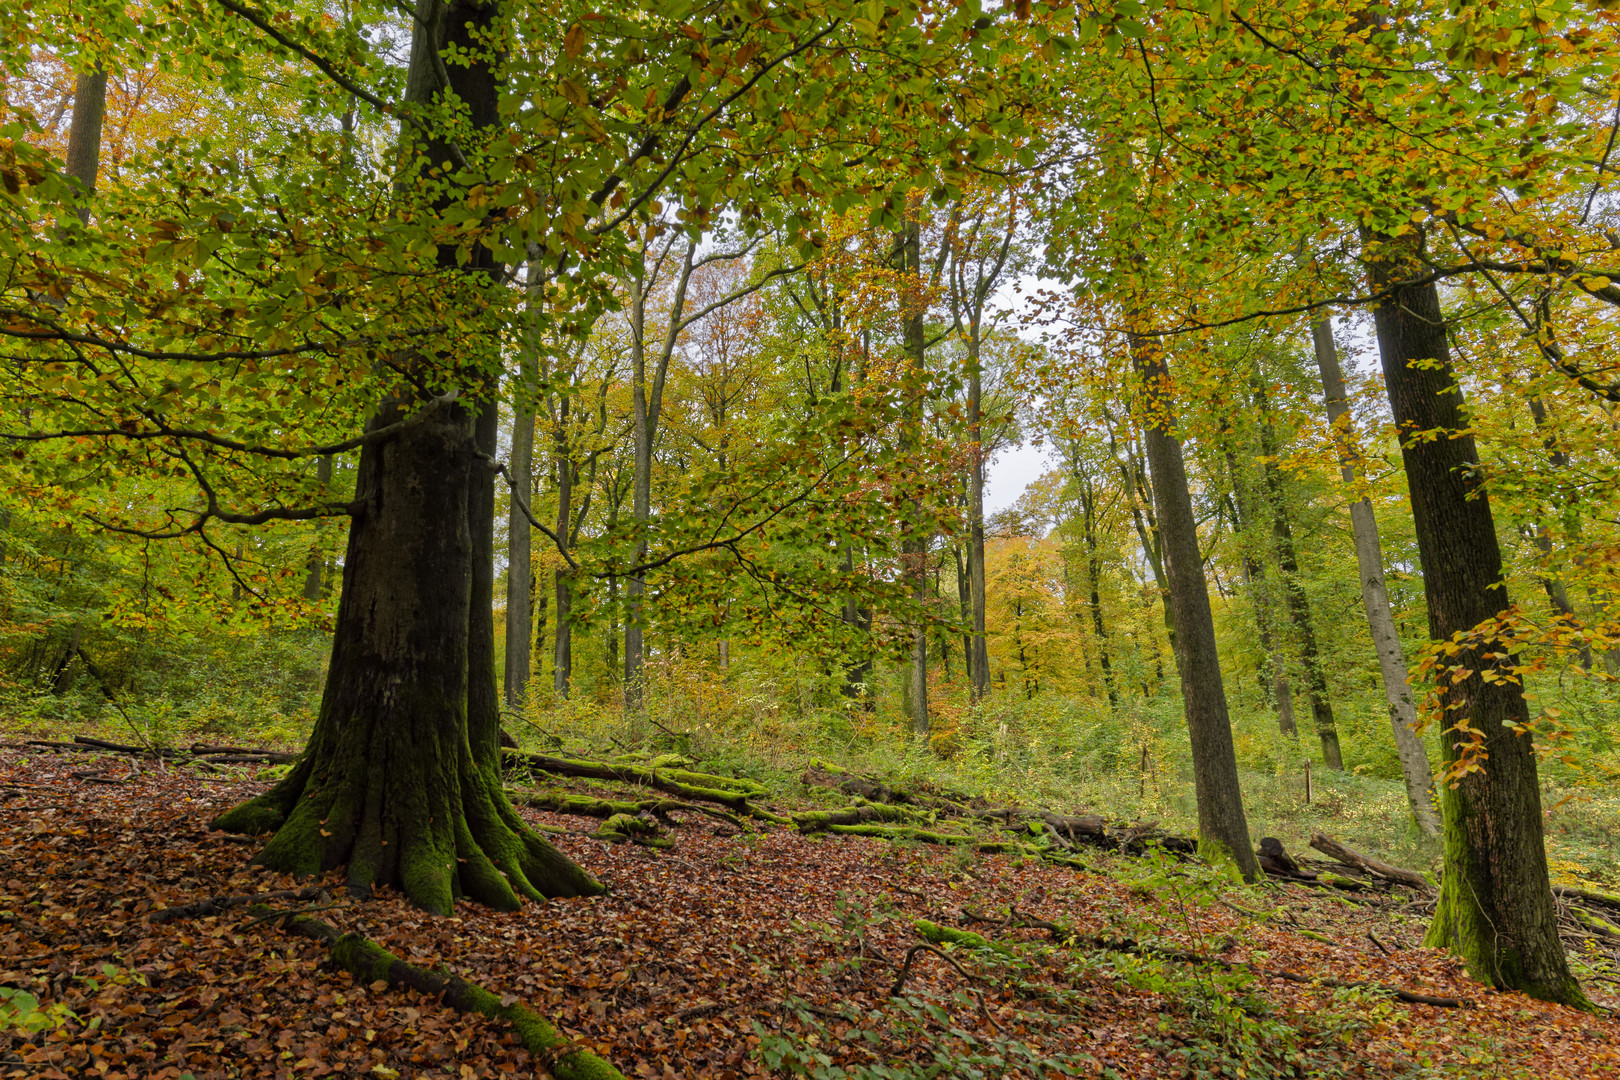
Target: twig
point(287, 914)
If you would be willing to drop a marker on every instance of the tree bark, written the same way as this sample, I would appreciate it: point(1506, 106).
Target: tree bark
point(1495, 908)
point(914, 545)
point(978, 660)
point(1299, 605)
point(400, 780)
point(1374, 595)
point(1088, 523)
point(1222, 826)
point(519, 569)
point(1254, 575)
point(84, 134)
point(562, 665)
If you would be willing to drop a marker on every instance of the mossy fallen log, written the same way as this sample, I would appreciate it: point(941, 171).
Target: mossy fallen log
point(694, 787)
point(905, 832)
point(813, 821)
point(622, 827)
point(935, 934)
point(563, 802)
point(370, 962)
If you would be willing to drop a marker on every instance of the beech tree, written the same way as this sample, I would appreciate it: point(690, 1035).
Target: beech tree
point(522, 132)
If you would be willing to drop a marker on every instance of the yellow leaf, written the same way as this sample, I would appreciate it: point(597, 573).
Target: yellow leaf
point(572, 91)
point(574, 41)
point(1594, 284)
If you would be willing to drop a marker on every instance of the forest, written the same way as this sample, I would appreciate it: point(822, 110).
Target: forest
point(498, 573)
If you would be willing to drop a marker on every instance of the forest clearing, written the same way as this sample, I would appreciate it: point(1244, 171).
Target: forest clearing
point(509, 561)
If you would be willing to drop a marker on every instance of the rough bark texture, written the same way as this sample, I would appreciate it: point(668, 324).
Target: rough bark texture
point(400, 780)
point(1221, 821)
point(1495, 908)
point(1374, 595)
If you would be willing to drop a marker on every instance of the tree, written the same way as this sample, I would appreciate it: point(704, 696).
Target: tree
point(1222, 826)
point(401, 779)
point(1374, 596)
point(979, 242)
point(1496, 906)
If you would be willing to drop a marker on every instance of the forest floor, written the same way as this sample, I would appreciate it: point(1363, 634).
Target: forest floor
point(735, 953)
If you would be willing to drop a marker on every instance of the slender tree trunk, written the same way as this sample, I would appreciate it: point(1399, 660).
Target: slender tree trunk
point(519, 570)
point(1254, 576)
point(1496, 906)
point(1088, 521)
point(562, 662)
point(1222, 826)
point(914, 546)
point(400, 780)
point(84, 135)
point(964, 607)
point(1299, 605)
point(1374, 595)
point(979, 651)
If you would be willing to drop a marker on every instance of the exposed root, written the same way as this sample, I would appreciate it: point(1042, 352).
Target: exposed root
point(368, 962)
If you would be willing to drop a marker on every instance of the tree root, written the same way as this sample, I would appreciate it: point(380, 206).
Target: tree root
point(217, 905)
point(369, 962)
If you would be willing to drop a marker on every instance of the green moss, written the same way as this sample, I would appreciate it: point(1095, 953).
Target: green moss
point(902, 832)
point(255, 817)
point(364, 959)
point(935, 934)
point(297, 845)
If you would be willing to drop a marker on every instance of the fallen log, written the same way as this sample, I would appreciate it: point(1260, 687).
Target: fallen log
point(1336, 851)
point(1588, 896)
point(1137, 948)
point(369, 962)
point(695, 787)
point(213, 753)
point(585, 806)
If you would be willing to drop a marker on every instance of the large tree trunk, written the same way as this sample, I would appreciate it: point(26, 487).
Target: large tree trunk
point(1496, 907)
point(84, 134)
point(1222, 827)
point(400, 780)
point(1374, 596)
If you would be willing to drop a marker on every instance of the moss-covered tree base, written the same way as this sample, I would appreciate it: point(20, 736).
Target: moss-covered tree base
point(435, 837)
